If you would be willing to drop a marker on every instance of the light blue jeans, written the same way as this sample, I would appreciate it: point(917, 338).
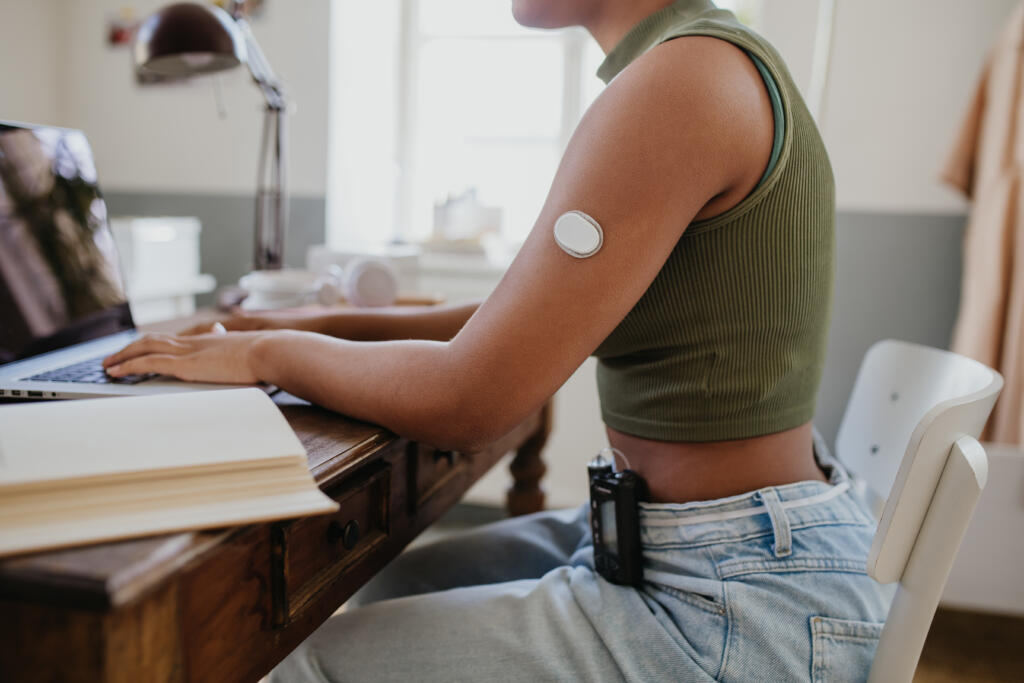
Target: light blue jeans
point(765, 586)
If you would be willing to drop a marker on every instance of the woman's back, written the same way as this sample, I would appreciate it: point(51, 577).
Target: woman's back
point(728, 342)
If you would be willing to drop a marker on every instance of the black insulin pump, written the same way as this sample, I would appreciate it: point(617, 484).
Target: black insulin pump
point(615, 521)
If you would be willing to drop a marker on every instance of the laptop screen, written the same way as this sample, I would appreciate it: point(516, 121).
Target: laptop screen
point(60, 281)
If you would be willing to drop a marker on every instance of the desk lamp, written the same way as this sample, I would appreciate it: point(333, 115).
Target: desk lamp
point(187, 39)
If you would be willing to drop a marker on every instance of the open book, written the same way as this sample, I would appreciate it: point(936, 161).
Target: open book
point(105, 469)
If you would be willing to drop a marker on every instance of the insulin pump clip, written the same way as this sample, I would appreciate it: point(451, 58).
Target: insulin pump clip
point(615, 521)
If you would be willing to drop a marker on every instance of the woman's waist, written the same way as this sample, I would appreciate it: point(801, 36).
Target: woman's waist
point(678, 472)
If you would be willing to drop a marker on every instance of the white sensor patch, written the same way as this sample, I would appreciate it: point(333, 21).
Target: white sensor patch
point(578, 234)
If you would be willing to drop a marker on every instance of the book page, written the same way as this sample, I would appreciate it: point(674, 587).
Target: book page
point(110, 523)
point(53, 440)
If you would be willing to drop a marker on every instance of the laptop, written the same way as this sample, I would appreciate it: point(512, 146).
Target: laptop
point(63, 306)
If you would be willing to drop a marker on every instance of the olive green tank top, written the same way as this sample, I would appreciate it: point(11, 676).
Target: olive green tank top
point(729, 340)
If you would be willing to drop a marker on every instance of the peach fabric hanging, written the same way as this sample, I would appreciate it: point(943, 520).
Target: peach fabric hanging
point(985, 164)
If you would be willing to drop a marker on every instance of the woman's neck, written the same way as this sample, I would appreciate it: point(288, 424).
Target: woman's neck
point(613, 20)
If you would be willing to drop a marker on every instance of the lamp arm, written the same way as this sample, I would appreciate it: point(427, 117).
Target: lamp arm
point(278, 196)
point(271, 183)
point(271, 192)
point(259, 68)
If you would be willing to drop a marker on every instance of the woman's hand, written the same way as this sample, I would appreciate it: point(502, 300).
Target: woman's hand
point(242, 321)
point(218, 357)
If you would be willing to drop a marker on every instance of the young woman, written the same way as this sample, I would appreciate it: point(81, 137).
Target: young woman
point(707, 307)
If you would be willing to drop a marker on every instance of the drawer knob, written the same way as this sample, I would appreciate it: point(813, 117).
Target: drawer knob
point(348, 535)
point(445, 455)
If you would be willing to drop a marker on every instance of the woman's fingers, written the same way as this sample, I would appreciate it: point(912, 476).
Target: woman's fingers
point(205, 328)
point(237, 322)
point(155, 343)
point(159, 363)
point(216, 356)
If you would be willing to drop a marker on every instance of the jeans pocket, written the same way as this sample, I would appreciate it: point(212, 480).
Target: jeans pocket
point(698, 591)
point(842, 649)
point(707, 603)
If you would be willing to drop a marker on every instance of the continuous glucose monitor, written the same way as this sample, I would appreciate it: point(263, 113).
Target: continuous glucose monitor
point(578, 234)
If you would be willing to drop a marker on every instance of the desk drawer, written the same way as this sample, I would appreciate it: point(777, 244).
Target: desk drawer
point(310, 553)
point(431, 470)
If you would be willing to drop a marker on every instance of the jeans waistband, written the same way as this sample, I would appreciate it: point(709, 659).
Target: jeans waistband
point(773, 509)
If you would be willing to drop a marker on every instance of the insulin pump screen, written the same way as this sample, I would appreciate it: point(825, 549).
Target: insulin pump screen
point(608, 526)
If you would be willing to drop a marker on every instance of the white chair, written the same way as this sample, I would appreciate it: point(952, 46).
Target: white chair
point(909, 434)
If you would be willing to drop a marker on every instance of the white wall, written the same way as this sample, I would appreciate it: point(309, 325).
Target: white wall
point(902, 73)
point(31, 51)
point(790, 25)
point(166, 138)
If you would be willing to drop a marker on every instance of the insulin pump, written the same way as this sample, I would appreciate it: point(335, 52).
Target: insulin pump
point(615, 519)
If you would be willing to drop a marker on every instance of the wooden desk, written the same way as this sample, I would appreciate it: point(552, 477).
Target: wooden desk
point(227, 605)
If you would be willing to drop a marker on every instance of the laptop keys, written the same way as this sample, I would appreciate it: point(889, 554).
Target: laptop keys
point(88, 372)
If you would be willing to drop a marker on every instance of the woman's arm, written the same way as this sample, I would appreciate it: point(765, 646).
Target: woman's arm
point(686, 127)
point(439, 323)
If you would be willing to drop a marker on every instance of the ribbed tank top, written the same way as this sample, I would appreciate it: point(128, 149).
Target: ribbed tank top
point(729, 340)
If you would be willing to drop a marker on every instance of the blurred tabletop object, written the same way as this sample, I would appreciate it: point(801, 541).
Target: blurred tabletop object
point(160, 263)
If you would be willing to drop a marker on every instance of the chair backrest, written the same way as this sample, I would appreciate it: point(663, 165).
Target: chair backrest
point(909, 433)
point(909, 404)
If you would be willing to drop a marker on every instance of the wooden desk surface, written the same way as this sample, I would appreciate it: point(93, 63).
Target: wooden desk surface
point(227, 605)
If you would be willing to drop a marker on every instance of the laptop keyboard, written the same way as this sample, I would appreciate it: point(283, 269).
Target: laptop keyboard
point(87, 372)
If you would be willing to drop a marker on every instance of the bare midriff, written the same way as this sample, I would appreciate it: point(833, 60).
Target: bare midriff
point(682, 472)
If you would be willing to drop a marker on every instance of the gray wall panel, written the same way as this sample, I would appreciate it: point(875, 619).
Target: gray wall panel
point(227, 238)
point(897, 276)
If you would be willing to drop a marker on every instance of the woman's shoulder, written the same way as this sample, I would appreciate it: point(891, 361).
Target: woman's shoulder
point(698, 94)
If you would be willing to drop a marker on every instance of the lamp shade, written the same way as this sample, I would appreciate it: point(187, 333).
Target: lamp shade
point(186, 38)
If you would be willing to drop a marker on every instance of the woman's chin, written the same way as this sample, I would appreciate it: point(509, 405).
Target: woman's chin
point(545, 13)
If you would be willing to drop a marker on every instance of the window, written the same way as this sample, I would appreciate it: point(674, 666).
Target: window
point(448, 117)
point(478, 112)
point(492, 106)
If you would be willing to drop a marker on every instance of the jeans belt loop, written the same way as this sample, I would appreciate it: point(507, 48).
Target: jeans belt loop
point(780, 523)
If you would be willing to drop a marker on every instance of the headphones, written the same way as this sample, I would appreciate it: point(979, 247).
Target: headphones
point(363, 283)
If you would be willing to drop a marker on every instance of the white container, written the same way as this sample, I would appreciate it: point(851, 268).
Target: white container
point(160, 263)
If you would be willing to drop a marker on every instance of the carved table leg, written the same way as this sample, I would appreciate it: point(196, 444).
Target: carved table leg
point(525, 495)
